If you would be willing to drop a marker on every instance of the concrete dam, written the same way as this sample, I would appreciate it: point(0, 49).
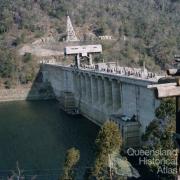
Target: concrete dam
point(99, 94)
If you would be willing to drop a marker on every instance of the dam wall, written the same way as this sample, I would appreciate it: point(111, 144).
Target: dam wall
point(99, 95)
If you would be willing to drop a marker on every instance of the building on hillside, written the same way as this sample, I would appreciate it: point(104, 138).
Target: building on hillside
point(105, 37)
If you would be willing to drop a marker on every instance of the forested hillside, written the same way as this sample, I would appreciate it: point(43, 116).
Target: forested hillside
point(145, 30)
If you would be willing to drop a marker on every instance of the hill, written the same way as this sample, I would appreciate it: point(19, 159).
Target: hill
point(143, 30)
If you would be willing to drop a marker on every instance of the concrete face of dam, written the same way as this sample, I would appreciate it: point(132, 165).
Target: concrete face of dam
point(99, 95)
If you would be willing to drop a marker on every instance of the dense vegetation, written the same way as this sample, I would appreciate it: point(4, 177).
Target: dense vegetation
point(159, 136)
point(109, 140)
point(145, 30)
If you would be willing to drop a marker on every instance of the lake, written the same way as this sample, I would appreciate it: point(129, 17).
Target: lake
point(37, 134)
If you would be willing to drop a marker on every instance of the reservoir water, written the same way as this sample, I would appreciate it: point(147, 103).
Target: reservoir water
point(37, 135)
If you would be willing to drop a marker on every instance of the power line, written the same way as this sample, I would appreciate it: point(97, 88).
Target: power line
point(60, 169)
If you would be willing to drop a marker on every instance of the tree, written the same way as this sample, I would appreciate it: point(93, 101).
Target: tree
point(18, 174)
point(158, 137)
point(72, 158)
point(108, 141)
point(167, 108)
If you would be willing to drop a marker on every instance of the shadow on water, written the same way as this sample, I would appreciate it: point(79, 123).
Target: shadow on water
point(37, 134)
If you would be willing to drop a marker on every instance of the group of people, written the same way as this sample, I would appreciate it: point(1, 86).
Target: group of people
point(130, 72)
point(127, 71)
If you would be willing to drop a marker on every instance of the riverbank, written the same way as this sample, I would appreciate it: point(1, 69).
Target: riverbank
point(38, 91)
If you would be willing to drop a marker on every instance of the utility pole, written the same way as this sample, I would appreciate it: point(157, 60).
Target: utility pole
point(178, 130)
point(110, 166)
point(170, 87)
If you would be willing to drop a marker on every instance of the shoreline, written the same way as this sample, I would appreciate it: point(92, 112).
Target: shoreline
point(38, 92)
